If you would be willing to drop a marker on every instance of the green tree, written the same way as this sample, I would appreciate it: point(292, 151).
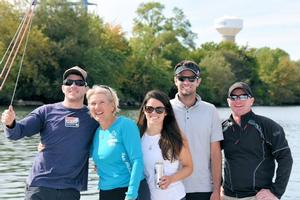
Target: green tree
point(32, 83)
point(84, 39)
point(270, 62)
point(214, 88)
point(227, 60)
point(157, 44)
point(284, 83)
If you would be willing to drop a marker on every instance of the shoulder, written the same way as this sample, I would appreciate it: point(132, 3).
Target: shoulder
point(207, 105)
point(226, 124)
point(265, 121)
point(45, 108)
point(175, 102)
point(125, 121)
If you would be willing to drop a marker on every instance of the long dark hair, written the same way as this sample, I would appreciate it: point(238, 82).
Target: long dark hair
point(171, 140)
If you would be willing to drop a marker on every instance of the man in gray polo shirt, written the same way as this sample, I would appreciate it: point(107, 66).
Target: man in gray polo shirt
point(200, 122)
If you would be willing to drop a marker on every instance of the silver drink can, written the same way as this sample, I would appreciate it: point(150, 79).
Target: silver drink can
point(159, 172)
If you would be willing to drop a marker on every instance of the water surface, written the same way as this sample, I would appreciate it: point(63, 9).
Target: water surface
point(16, 156)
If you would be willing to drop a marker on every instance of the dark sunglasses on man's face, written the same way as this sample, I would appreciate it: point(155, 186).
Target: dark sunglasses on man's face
point(241, 97)
point(158, 110)
point(189, 78)
point(69, 82)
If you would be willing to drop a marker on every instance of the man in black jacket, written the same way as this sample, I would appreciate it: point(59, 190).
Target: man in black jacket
point(252, 143)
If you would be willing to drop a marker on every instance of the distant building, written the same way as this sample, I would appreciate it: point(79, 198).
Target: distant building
point(85, 3)
point(228, 27)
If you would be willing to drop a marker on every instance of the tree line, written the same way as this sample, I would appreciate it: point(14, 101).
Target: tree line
point(64, 35)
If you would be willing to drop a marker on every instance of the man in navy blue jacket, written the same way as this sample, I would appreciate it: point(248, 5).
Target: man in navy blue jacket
point(66, 130)
point(252, 143)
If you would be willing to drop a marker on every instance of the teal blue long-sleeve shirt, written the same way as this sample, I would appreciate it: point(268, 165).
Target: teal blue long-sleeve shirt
point(117, 154)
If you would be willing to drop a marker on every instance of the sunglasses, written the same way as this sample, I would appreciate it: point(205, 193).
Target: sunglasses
point(69, 82)
point(189, 78)
point(158, 110)
point(241, 97)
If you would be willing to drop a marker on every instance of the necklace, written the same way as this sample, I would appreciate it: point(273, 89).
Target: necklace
point(153, 142)
point(151, 146)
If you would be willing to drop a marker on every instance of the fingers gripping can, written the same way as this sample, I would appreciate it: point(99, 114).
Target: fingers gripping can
point(159, 172)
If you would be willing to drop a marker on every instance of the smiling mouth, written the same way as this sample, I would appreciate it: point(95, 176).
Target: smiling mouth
point(98, 113)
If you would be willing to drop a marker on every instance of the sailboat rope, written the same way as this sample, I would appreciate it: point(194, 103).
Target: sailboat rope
point(14, 46)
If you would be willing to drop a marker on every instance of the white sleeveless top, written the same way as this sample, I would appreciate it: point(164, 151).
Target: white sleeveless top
point(151, 155)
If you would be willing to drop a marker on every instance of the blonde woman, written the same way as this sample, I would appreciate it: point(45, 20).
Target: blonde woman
point(116, 148)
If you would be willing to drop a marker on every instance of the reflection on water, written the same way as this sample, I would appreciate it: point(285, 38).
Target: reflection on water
point(16, 156)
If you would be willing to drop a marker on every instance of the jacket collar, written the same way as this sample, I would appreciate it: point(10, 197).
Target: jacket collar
point(244, 118)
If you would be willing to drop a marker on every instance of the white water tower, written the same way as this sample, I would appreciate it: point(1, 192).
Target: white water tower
point(228, 27)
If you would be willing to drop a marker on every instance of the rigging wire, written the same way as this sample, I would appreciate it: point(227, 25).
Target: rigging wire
point(21, 64)
point(23, 29)
point(12, 50)
point(13, 39)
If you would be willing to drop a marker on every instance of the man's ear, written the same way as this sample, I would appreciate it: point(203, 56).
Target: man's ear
point(252, 101)
point(199, 81)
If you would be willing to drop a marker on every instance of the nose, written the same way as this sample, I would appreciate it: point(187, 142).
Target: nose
point(186, 82)
point(73, 84)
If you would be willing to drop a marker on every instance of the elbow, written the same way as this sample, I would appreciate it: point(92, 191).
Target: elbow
point(288, 159)
point(9, 136)
point(12, 138)
point(189, 170)
point(291, 162)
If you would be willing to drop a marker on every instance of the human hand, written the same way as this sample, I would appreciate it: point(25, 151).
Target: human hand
point(165, 181)
point(222, 193)
point(265, 194)
point(215, 195)
point(8, 116)
point(41, 147)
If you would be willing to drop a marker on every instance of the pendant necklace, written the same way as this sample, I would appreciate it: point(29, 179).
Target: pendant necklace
point(152, 140)
point(152, 145)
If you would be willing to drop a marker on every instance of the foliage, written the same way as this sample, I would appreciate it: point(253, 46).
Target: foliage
point(279, 74)
point(216, 66)
point(157, 44)
point(64, 35)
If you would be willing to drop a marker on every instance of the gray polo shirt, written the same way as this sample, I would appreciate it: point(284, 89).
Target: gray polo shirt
point(202, 126)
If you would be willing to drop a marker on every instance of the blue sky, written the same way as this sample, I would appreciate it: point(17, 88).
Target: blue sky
point(271, 23)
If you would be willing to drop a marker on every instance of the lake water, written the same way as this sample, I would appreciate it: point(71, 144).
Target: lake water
point(16, 156)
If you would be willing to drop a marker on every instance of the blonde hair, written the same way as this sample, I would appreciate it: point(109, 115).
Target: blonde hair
point(106, 90)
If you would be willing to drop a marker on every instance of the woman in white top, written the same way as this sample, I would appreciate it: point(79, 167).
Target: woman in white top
point(162, 141)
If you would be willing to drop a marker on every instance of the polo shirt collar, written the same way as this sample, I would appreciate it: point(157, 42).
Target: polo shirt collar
point(198, 100)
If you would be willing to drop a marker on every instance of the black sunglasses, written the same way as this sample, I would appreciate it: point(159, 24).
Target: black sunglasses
point(158, 110)
point(189, 78)
point(69, 82)
point(241, 97)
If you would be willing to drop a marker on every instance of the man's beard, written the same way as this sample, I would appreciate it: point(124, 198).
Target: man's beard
point(186, 93)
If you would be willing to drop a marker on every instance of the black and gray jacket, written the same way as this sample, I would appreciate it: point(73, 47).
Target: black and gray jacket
point(250, 152)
